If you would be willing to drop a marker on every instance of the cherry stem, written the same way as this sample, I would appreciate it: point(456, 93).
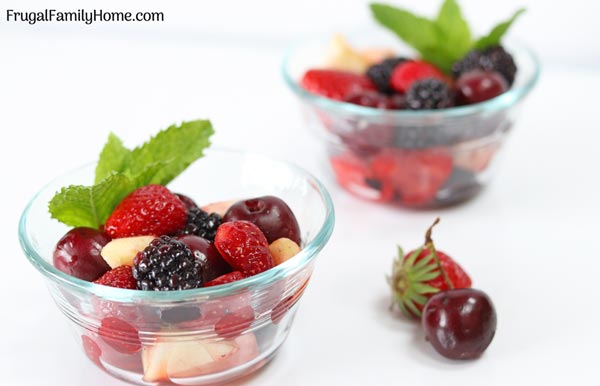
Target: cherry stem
point(429, 244)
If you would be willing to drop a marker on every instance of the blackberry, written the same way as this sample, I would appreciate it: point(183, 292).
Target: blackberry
point(491, 59)
point(381, 73)
point(428, 94)
point(201, 224)
point(167, 264)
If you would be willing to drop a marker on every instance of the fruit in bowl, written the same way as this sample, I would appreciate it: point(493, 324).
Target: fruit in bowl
point(162, 289)
point(420, 121)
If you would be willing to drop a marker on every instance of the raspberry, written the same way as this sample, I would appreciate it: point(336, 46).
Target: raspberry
point(227, 278)
point(381, 73)
point(150, 210)
point(167, 264)
point(429, 94)
point(244, 247)
point(411, 71)
point(119, 277)
point(201, 224)
point(491, 59)
point(334, 84)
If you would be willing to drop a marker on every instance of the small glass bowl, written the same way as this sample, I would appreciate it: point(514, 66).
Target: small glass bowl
point(422, 159)
point(150, 338)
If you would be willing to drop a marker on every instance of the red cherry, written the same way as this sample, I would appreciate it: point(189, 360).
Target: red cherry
point(478, 86)
point(77, 253)
point(459, 323)
point(271, 214)
point(213, 264)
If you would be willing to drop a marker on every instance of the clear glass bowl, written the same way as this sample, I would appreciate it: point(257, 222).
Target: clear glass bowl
point(423, 159)
point(150, 338)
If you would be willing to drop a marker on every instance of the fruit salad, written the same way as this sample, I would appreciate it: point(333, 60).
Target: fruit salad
point(129, 231)
point(412, 128)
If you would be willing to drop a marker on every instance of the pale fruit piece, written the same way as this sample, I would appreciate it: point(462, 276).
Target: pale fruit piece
point(283, 249)
point(341, 56)
point(121, 251)
point(376, 55)
point(219, 208)
point(179, 358)
point(475, 159)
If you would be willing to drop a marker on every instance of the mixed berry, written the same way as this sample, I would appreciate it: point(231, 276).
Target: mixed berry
point(459, 321)
point(414, 159)
point(158, 248)
point(148, 238)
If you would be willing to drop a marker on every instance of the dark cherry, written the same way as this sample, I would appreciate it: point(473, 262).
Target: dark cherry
point(271, 214)
point(478, 86)
point(188, 202)
point(376, 100)
point(77, 253)
point(214, 265)
point(459, 323)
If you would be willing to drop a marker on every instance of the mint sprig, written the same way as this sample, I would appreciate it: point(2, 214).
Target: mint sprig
point(120, 171)
point(443, 40)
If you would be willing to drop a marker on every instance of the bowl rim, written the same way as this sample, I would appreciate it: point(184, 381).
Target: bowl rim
point(502, 101)
point(291, 266)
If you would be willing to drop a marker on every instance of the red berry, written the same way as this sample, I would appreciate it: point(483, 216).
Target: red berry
point(417, 275)
point(92, 350)
point(233, 324)
point(270, 214)
point(120, 277)
point(243, 245)
point(213, 264)
point(416, 175)
point(77, 253)
point(335, 84)
point(478, 86)
point(150, 210)
point(406, 73)
point(120, 335)
point(227, 278)
point(460, 323)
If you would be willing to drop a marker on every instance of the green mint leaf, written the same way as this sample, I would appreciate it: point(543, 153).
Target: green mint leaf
point(454, 35)
point(419, 32)
point(175, 148)
point(89, 206)
point(496, 34)
point(120, 171)
point(113, 158)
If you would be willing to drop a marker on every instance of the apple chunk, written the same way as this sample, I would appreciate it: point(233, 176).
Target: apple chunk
point(121, 251)
point(177, 358)
point(220, 207)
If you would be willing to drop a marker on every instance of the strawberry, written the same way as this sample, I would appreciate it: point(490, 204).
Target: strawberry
point(421, 273)
point(416, 175)
point(92, 350)
point(120, 335)
point(233, 324)
point(405, 74)
point(149, 210)
point(120, 277)
point(244, 247)
point(334, 84)
point(227, 278)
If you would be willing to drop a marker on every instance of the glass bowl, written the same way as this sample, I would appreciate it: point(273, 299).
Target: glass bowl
point(150, 338)
point(423, 159)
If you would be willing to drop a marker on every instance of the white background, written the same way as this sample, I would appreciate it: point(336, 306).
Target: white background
point(530, 240)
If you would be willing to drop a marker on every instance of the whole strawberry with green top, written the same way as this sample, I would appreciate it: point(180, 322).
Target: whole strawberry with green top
point(420, 274)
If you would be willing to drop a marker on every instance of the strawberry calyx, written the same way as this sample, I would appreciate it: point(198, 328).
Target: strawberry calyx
point(410, 277)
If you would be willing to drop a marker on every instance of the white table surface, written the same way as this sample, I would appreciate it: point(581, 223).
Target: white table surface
point(530, 240)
